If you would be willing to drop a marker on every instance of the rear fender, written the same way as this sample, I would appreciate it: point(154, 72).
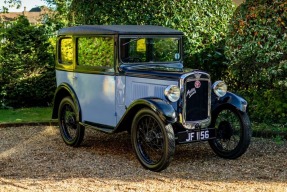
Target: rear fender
point(62, 91)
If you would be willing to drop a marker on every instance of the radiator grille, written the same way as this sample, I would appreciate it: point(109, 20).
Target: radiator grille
point(196, 98)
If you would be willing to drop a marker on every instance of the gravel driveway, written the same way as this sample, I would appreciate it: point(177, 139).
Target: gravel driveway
point(34, 158)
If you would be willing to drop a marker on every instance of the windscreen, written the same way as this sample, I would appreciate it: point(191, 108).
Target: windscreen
point(150, 49)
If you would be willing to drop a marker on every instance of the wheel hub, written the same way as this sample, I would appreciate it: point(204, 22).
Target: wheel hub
point(153, 139)
point(225, 130)
point(71, 122)
point(151, 135)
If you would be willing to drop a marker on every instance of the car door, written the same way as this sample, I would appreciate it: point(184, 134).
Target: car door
point(94, 79)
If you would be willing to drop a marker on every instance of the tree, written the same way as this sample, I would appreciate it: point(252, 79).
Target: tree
point(10, 3)
point(203, 22)
point(257, 49)
point(26, 66)
point(62, 10)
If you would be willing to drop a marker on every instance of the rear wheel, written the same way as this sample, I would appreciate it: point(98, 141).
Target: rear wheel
point(71, 131)
point(152, 140)
point(233, 132)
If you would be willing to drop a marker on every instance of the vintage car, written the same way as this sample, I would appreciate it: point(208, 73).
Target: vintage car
point(115, 78)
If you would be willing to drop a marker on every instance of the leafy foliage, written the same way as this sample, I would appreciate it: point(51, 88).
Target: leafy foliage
point(66, 51)
point(95, 51)
point(203, 22)
point(59, 16)
point(26, 66)
point(257, 49)
point(10, 3)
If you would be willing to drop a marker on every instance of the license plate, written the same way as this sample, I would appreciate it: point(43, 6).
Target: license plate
point(195, 135)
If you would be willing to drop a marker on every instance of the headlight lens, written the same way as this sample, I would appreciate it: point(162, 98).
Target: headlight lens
point(219, 88)
point(172, 93)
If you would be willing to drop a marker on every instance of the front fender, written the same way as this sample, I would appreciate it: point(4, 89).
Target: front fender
point(229, 98)
point(161, 107)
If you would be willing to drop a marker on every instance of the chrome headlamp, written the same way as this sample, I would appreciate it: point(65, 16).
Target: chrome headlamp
point(219, 88)
point(172, 93)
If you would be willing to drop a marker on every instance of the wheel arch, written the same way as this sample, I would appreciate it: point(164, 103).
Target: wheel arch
point(229, 99)
point(62, 91)
point(245, 132)
point(162, 108)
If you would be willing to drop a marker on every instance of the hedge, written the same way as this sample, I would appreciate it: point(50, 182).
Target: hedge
point(27, 75)
point(257, 49)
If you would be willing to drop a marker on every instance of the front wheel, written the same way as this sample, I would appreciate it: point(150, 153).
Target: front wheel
point(152, 140)
point(233, 132)
point(71, 131)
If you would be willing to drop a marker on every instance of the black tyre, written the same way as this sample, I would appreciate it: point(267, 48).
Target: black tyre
point(233, 132)
point(152, 140)
point(71, 132)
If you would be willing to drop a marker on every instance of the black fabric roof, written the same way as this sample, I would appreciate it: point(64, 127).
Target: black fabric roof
point(118, 29)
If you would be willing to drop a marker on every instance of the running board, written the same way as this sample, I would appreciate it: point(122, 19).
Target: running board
point(99, 127)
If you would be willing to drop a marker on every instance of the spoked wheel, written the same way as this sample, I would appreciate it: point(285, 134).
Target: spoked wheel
point(152, 140)
point(71, 132)
point(233, 132)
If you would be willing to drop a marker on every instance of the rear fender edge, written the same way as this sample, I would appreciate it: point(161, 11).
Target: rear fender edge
point(61, 92)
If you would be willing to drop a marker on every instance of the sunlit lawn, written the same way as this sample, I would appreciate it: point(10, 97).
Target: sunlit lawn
point(35, 114)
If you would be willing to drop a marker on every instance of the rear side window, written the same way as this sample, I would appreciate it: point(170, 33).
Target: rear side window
point(95, 53)
point(66, 51)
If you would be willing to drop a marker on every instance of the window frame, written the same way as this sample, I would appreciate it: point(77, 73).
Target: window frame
point(95, 69)
point(62, 65)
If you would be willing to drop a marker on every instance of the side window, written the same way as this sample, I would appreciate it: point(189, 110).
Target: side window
point(66, 51)
point(95, 53)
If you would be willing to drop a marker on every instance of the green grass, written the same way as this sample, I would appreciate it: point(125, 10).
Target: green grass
point(276, 131)
point(269, 127)
point(35, 114)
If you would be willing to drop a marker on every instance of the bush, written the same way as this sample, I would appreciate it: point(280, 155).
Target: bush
point(26, 66)
point(203, 22)
point(257, 48)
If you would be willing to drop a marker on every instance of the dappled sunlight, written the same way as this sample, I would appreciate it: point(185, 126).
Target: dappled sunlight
point(38, 72)
point(150, 182)
point(36, 159)
point(109, 88)
point(23, 146)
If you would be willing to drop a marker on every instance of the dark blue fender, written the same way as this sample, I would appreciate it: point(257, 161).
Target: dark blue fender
point(165, 110)
point(162, 108)
point(229, 98)
point(65, 90)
